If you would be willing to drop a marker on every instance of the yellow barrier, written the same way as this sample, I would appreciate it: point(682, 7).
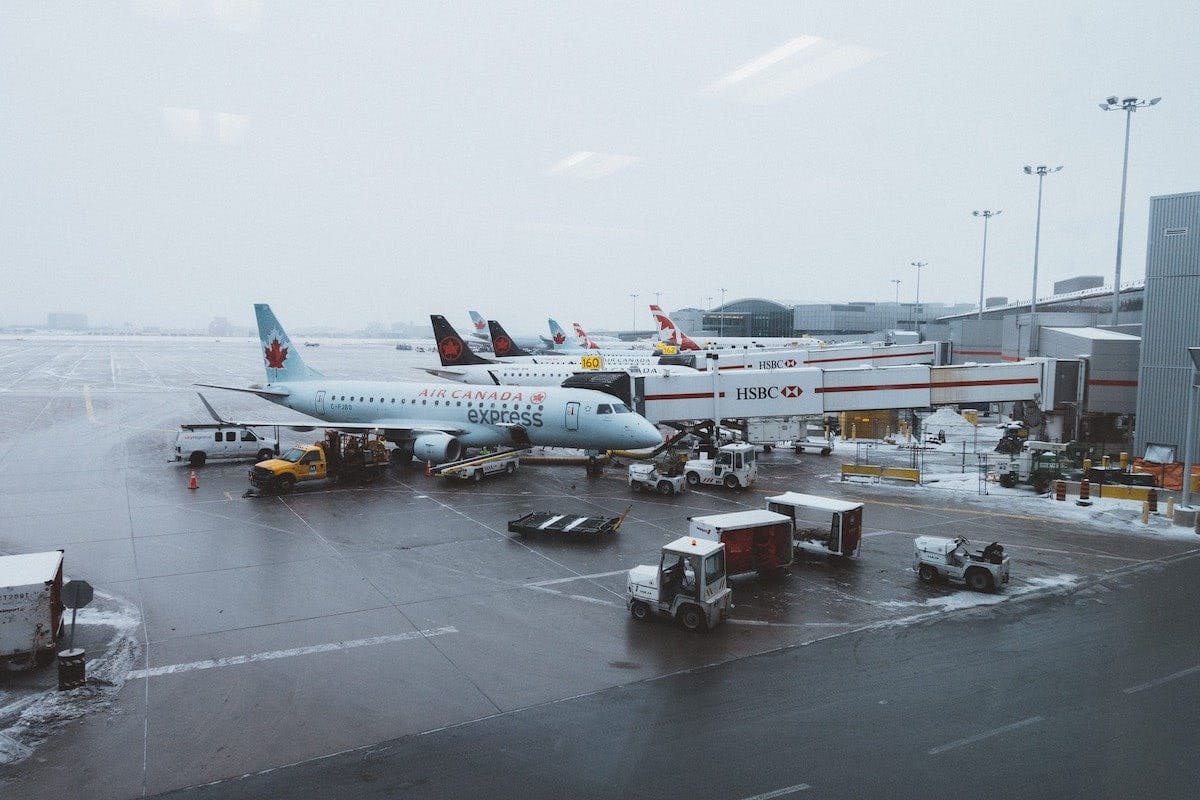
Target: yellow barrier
point(861, 471)
point(902, 474)
point(1116, 492)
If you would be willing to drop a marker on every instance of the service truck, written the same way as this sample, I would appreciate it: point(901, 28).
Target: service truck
point(31, 606)
point(823, 525)
point(755, 541)
point(734, 467)
point(687, 584)
point(340, 457)
point(1037, 464)
point(199, 443)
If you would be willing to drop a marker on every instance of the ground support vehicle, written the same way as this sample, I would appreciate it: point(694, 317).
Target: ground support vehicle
point(340, 457)
point(755, 541)
point(575, 525)
point(938, 558)
point(1036, 463)
point(772, 431)
point(648, 478)
point(687, 584)
point(203, 442)
point(734, 467)
point(476, 468)
point(31, 606)
point(821, 524)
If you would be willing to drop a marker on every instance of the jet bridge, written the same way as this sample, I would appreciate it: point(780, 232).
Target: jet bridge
point(753, 394)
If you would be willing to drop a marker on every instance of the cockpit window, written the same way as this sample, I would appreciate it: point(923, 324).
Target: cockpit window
point(604, 408)
point(621, 408)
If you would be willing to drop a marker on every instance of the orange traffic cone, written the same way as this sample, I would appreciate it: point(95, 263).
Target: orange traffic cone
point(192, 481)
point(428, 469)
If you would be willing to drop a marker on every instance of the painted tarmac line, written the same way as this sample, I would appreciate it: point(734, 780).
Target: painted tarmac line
point(172, 669)
point(985, 735)
point(764, 624)
point(554, 581)
point(1141, 687)
point(799, 787)
point(87, 403)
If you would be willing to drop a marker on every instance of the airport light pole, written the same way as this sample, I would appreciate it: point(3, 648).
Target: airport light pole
point(987, 214)
point(1041, 171)
point(917, 311)
point(635, 297)
point(1194, 352)
point(896, 320)
point(1128, 105)
point(722, 322)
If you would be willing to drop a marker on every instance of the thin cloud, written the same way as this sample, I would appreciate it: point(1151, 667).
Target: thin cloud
point(589, 165)
point(795, 65)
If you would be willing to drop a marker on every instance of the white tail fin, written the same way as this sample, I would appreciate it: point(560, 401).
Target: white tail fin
point(280, 358)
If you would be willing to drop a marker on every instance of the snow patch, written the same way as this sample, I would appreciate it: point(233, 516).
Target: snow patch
point(28, 720)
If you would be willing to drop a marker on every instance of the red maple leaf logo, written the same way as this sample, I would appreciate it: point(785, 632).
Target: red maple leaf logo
point(275, 354)
point(537, 397)
point(501, 344)
point(450, 348)
point(559, 338)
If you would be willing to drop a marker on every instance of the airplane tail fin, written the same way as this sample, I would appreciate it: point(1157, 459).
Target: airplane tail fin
point(281, 359)
point(502, 344)
point(582, 337)
point(675, 336)
point(479, 323)
point(452, 350)
point(557, 333)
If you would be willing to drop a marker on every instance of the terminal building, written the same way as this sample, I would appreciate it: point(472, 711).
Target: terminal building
point(1137, 373)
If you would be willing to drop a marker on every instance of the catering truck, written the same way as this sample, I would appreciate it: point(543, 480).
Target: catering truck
point(30, 606)
point(755, 541)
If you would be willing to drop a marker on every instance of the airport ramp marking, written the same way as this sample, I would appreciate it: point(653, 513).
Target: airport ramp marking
point(979, 737)
point(1141, 687)
point(784, 792)
point(330, 647)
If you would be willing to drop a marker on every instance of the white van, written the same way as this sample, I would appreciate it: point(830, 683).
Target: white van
point(198, 443)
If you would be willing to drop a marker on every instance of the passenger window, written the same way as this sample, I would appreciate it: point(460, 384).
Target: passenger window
point(604, 408)
point(217, 436)
point(231, 436)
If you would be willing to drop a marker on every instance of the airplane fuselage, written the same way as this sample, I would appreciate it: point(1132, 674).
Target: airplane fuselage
point(549, 416)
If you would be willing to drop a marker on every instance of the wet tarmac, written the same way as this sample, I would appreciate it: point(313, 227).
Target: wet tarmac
point(258, 632)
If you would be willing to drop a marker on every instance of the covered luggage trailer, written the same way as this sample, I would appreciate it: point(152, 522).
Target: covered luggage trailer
point(821, 524)
point(30, 605)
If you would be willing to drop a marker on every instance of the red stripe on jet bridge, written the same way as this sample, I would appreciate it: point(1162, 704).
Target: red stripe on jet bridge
point(733, 366)
point(1101, 382)
point(1009, 358)
point(946, 385)
point(867, 358)
point(958, 352)
point(681, 396)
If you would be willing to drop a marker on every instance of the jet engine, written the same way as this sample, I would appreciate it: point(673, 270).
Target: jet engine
point(437, 447)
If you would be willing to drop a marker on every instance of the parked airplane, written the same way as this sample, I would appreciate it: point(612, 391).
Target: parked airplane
point(670, 332)
point(455, 357)
point(483, 331)
point(435, 421)
point(479, 325)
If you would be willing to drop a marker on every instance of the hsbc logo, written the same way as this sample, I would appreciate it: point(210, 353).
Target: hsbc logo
point(768, 392)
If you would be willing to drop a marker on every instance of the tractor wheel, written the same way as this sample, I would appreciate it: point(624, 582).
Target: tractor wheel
point(197, 458)
point(731, 482)
point(1041, 485)
point(693, 479)
point(639, 610)
point(927, 573)
point(980, 580)
point(477, 476)
point(510, 468)
point(1008, 480)
point(692, 618)
point(664, 488)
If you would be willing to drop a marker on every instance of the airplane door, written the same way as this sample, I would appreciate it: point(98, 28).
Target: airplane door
point(572, 416)
point(321, 402)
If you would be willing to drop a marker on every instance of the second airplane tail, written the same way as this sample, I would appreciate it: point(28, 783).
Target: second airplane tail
point(502, 344)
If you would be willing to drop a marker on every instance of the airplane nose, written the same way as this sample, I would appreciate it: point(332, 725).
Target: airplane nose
point(646, 434)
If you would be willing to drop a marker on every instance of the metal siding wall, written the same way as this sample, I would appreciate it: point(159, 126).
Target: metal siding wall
point(1171, 321)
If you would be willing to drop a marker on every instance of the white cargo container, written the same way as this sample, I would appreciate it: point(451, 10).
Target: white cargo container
point(30, 605)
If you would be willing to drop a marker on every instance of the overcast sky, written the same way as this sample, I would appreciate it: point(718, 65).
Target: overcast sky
point(165, 162)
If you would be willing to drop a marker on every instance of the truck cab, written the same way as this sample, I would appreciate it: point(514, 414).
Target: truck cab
point(734, 467)
point(688, 584)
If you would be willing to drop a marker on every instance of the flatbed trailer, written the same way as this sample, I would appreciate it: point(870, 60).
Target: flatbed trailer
point(576, 525)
